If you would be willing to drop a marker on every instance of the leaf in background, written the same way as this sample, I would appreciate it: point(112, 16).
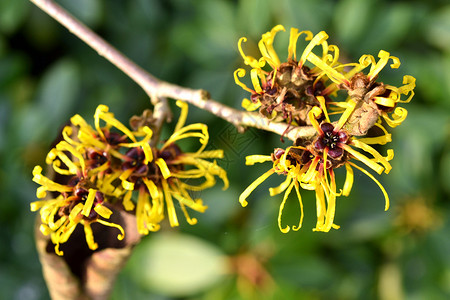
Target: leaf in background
point(12, 13)
point(445, 166)
point(254, 17)
point(53, 106)
point(413, 168)
point(351, 20)
point(313, 15)
point(88, 11)
point(390, 29)
point(176, 264)
point(432, 74)
point(438, 29)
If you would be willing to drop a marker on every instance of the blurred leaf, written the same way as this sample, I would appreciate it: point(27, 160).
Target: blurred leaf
point(3, 46)
point(174, 264)
point(306, 271)
point(305, 14)
point(88, 11)
point(56, 97)
point(351, 20)
point(254, 17)
point(391, 27)
point(11, 68)
point(445, 166)
point(438, 29)
point(432, 75)
point(12, 14)
point(413, 168)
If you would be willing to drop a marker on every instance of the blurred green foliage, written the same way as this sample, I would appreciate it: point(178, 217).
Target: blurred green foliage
point(48, 75)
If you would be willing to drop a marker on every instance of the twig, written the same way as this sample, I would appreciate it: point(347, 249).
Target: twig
point(157, 88)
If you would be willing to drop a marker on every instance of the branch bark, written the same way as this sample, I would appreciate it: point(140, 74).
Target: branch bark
point(160, 89)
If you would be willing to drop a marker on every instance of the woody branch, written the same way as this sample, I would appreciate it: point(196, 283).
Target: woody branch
point(156, 88)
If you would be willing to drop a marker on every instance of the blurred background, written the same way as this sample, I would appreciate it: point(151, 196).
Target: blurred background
point(47, 75)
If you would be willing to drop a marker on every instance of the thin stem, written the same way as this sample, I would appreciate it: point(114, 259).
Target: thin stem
point(160, 89)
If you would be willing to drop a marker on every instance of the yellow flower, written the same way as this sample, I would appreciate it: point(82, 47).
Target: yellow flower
point(285, 162)
point(290, 86)
point(364, 90)
point(108, 162)
point(171, 175)
point(311, 167)
point(332, 148)
point(73, 203)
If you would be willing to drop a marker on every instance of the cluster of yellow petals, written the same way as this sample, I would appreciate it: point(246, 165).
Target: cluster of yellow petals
point(175, 185)
point(310, 176)
point(359, 79)
point(69, 158)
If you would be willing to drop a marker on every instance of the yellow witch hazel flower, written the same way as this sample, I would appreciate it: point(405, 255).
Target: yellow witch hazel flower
point(172, 175)
point(369, 98)
point(106, 163)
point(312, 167)
point(288, 89)
point(76, 202)
point(300, 92)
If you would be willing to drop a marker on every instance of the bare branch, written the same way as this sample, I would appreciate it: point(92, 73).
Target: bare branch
point(160, 89)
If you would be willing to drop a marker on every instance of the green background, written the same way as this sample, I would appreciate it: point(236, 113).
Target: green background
point(47, 75)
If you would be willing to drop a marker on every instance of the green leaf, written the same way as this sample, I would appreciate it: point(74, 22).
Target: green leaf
point(56, 97)
point(88, 11)
point(12, 13)
point(175, 264)
point(438, 29)
point(254, 17)
point(351, 21)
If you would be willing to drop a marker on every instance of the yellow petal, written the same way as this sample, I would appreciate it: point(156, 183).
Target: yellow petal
point(109, 224)
point(75, 213)
point(316, 40)
point(321, 100)
point(239, 73)
point(103, 211)
point(163, 168)
point(173, 220)
point(299, 197)
point(89, 202)
point(249, 60)
point(281, 188)
point(183, 114)
point(386, 197)
point(312, 115)
point(398, 116)
point(345, 115)
point(334, 75)
point(266, 46)
point(368, 162)
point(152, 188)
point(331, 205)
point(320, 208)
point(293, 37)
point(252, 187)
point(348, 181)
point(384, 58)
point(249, 105)
point(254, 76)
point(378, 157)
point(280, 211)
point(90, 236)
point(252, 159)
point(127, 203)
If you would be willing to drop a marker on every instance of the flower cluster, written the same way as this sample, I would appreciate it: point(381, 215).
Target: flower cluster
point(108, 165)
point(302, 92)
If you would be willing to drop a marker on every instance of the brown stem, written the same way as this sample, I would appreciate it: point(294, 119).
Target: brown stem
point(157, 88)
